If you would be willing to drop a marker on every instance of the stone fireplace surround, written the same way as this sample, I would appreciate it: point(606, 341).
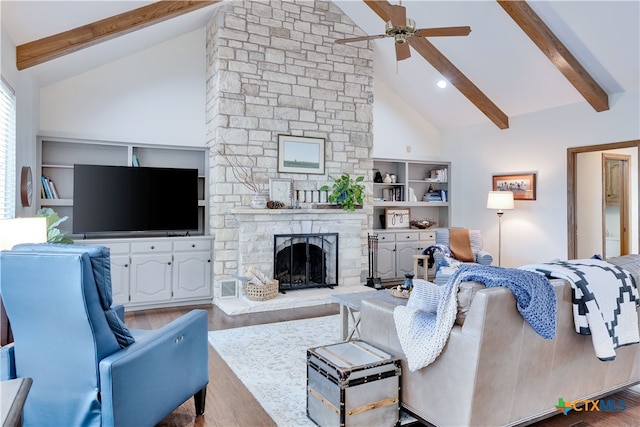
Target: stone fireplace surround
point(256, 228)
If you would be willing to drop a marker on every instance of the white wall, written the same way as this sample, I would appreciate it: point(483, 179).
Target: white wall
point(27, 116)
point(397, 126)
point(156, 96)
point(536, 231)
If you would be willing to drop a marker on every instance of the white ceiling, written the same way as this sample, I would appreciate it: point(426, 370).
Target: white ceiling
point(497, 56)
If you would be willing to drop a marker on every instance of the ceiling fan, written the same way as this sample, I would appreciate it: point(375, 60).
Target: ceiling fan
point(402, 28)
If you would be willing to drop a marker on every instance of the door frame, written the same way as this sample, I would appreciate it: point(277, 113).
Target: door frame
point(572, 155)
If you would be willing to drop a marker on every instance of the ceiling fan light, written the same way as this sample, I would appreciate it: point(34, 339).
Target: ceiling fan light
point(410, 26)
point(400, 38)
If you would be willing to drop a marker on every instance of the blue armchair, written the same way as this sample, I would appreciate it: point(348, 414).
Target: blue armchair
point(87, 367)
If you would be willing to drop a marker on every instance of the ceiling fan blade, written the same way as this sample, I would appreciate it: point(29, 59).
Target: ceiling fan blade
point(443, 31)
point(359, 39)
point(402, 51)
point(398, 15)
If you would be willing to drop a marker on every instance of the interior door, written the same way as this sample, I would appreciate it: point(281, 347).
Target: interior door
point(615, 203)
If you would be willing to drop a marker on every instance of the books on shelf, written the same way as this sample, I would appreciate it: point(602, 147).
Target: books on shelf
point(437, 175)
point(436, 196)
point(134, 161)
point(48, 189)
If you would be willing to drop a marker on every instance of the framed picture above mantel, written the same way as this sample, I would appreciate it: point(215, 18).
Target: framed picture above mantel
point(523, 185)
point(298, 154)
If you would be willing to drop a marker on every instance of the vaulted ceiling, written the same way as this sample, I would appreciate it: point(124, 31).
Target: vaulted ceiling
point(569, 51)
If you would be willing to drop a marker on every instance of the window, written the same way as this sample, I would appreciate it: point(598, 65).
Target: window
point(7, 150)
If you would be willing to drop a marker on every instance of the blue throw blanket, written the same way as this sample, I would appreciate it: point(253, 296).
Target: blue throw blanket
point(535, 297)
point(423, 334)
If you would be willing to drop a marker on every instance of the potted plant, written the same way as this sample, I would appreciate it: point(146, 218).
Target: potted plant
point(54, 235)
point(346, 191)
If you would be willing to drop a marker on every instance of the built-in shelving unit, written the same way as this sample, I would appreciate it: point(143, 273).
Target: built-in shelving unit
point(56, 157)
point(422, 186)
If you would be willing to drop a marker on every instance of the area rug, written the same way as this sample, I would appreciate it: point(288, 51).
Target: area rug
point(271, 361)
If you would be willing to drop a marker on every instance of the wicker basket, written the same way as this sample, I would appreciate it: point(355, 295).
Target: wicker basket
point(262, 292)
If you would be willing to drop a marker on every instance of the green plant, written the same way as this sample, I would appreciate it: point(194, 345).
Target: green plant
point(54, 235)
point(346, 191)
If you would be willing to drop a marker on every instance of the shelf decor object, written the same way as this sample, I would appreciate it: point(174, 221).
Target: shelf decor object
point(397, 218)
point(500, 200)
point(523, 186)
point(280, 190)
point(297, 154)
point(26, 186)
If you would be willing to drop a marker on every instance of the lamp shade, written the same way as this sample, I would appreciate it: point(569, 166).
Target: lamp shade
point(500, 200)
point(22, 230)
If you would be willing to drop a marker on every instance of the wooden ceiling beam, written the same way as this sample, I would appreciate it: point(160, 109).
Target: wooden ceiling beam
point(448, 71)
point(454, 76)
point(542, 36)
point(57, 45)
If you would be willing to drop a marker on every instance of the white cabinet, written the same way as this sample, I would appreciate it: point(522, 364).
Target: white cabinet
point(421, 186)
point(150, 278)
point(157, 272)
point(396, 250)
point(192, 262)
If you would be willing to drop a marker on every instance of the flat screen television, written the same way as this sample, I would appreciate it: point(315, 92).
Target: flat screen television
point(119, 199)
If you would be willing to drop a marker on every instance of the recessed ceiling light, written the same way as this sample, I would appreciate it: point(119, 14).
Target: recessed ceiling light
point(441, 84)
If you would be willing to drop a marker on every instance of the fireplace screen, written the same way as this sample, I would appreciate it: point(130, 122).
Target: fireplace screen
point(305, 260)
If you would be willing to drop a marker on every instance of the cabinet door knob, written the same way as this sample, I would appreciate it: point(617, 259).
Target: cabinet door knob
point(208, 260)
point(193, 245)
point(153, 247)
point(169, 263)
point(126, 265)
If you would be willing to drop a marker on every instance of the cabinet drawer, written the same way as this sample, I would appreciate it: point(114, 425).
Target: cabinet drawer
point(386, 237)
point(428, 236)
point(117, 248)
point(407, 237)
point(192, 245)
point(137, 247)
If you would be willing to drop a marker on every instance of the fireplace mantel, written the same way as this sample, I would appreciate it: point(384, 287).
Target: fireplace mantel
point(339, 212)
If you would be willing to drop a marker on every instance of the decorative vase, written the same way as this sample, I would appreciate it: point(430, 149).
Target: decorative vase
point(258, 201)
point(407, 285)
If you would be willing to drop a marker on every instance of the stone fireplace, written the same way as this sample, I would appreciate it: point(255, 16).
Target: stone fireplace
point(274, 68)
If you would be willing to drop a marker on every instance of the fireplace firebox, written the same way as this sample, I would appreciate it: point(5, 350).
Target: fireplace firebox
point(305, 260)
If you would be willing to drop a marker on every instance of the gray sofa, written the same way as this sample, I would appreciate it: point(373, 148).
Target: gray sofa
point(495, 370)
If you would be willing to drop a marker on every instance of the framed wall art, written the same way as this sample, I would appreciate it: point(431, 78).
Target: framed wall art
point(280, 190)
point(397, 218)
point(298, 154)
point(523, 185)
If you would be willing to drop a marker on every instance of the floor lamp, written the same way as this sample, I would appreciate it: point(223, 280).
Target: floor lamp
point(500, 200)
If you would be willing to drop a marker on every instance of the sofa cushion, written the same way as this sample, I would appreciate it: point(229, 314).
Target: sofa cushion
point(466, 292)
point(424, 296)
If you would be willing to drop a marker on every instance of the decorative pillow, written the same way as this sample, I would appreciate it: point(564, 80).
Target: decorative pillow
point(425, 296)
point(460, 244)
point(466, 292)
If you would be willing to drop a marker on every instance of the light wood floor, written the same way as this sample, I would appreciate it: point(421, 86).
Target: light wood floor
point(230, 404)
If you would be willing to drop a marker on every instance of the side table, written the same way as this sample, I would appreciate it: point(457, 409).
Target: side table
point(350, 308)
point(13, 395)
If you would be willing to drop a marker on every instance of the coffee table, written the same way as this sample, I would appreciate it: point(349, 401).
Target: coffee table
point(350, 308)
